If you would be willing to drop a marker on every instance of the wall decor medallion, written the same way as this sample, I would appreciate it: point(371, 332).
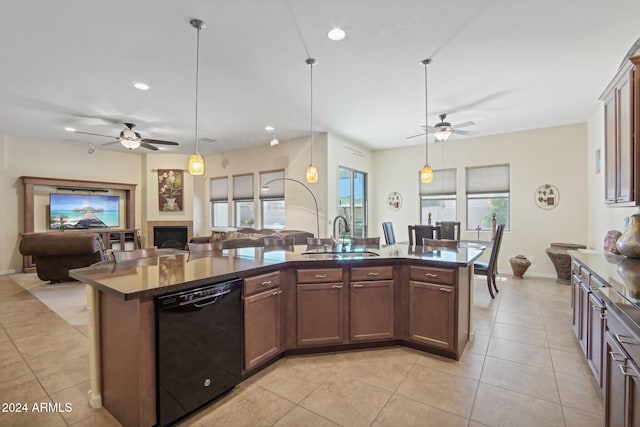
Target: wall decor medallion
point(170, 189)
point(394, 201)
point(547, 196)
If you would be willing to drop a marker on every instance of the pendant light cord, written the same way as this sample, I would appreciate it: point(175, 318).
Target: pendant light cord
point(199, 25)
point(426, 112)
point(311, 63)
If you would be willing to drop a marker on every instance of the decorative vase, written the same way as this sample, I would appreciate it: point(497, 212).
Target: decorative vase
point(629, 242)
point(519, 265)
point(610, 240)
point(629, 271)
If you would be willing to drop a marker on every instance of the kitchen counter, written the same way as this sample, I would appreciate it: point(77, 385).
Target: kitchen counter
point(173, 271)
point(622, 274)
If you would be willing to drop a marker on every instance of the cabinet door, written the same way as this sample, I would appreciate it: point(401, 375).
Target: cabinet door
point(575, 295)
point(610, 148)
point(615, 385)
point(262, 332)
point(371, 315)
point(595, 339)
point(320, 314)
point(584, 315)
point(432, 314)
point(633, 394)
point(625, 144)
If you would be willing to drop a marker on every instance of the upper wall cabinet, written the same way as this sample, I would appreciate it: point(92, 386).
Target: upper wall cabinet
point(622, 139)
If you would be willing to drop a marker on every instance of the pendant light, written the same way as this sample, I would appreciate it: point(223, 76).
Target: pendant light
point(196, 162)
point(426, 174)
point(312, 171)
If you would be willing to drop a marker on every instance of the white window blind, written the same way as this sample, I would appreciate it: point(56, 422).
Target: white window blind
point(218, 189)
point(488, 179)
point(444, 183)
point(275, 189)
point(243, 187)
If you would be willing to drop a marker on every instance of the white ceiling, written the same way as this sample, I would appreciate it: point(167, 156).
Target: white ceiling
point(508, 65)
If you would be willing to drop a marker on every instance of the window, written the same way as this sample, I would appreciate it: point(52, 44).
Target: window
point(272, 199)
point(243, 200)
point(438, 198)
point(352, 199)
point(219, 196)
point(488, 192)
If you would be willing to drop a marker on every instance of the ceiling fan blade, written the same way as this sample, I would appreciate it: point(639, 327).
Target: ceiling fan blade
point(415, 136)
point(117, 141)
point(464, 132)
point(148, 146)
point(158, 141)
point(94, 134)
point(464, 124)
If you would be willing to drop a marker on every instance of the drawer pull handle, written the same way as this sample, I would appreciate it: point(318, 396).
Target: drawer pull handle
point(603, 315)
point(373, 273)
point(430, 275)
point(337, 286)
point(278, 292)
point(596, 308)
point(624, 339)
point(358, 286)
point(446, 290)
point(623, 369)
point(615, 357)
point(266, 282)
point(320, 276)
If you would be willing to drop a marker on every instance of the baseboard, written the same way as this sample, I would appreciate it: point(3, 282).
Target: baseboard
point(6, 272)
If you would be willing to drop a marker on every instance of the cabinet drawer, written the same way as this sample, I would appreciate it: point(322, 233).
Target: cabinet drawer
point(320, 275)
point(433, 275)
point(595, 283)
point(371, 273)
point(623, 336)
point(261, 283)
point(584, 273)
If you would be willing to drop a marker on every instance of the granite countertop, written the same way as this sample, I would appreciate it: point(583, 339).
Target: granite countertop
point(622, 274)
point(177, 271)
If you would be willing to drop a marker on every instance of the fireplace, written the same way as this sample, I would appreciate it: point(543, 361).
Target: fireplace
point(170, 236)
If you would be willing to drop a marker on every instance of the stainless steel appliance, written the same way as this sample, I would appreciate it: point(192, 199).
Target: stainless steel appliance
point(198, 347)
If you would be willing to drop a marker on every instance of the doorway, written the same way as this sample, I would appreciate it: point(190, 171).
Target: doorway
point(352, 199)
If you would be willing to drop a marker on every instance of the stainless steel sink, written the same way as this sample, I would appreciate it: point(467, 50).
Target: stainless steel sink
point(339, 255)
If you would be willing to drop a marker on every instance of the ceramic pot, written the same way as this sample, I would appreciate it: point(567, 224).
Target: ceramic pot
point(629, 271)
point(610, 241)
point(629, 242)
point(519, 265)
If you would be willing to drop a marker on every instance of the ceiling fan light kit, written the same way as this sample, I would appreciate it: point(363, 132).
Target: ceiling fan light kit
point(196, 162)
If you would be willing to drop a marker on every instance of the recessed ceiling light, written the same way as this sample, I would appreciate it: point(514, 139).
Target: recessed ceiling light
point(269, 128)
point(141, 86)
point(336, 34)
point(70, 129)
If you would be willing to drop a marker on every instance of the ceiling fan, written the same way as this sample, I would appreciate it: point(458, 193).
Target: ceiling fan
point(443, 130)
point(131, 139)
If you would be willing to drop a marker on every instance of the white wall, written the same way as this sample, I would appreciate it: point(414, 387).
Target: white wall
point(25, 157)
point(601, 218)
point(556, 155)
point(293, 156)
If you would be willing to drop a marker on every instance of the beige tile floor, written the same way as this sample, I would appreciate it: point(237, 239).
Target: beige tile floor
point(524, 368)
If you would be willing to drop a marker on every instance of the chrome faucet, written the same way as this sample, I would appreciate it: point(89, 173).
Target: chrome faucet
point(337, 219)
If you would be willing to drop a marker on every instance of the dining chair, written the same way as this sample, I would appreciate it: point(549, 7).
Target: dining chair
point(389, 236)
point(419, 232)
point(449, 230)
point(440, 243)
point(490, 269)
point(365, 242)
point(122, 256)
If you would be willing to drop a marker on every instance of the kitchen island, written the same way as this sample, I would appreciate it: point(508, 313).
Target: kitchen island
point(300, 301)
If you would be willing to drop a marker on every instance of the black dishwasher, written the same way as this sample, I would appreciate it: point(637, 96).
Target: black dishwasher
point(199, 336)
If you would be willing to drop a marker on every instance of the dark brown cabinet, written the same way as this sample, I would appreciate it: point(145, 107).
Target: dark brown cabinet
point(622, 376)
point(262, 319)
point(432, 300)
point(372, 303)
point(595, 336)
point(622, 142)
point(320, 307)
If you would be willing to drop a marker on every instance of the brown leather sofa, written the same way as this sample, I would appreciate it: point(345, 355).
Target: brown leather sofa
point(58, 252)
